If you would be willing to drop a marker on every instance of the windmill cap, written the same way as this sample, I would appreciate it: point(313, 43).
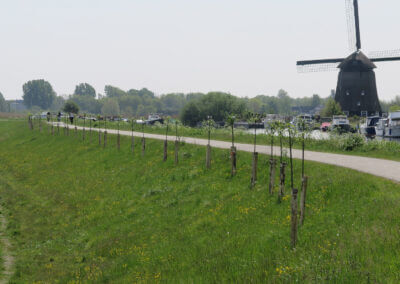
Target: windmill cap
point(357, 60)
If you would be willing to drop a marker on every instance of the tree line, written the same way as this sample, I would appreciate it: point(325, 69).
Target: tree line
point(191, 108)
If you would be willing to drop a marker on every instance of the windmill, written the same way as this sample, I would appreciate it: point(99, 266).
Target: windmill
point(356, 90)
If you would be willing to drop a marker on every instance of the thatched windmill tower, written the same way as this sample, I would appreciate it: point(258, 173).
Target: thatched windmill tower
point(356, 89)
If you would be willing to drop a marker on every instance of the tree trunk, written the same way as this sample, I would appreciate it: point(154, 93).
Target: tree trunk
point(293, 233)
point(143, 146)
point(233, 161)
point(254, 169)
point(176, 152)
point(99, 138)
point(208, 157)
point(105, 139)
point(118, 141)
point(282, 180)
point(132, 144)
point(272, 164)
point(303, 199)
point(165, 150)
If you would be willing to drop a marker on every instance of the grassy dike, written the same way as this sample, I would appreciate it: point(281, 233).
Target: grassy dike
point(81, 213)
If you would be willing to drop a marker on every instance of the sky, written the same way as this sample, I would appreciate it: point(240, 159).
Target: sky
point(246, 48)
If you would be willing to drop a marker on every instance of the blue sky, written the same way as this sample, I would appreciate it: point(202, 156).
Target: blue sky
point(242, 47)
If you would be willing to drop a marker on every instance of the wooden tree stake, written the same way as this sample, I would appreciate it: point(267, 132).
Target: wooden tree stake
point(303, 199)
point(105, 139)
point(176, 152)
point(282, 180)
point(208, 157)
point(99, 138)
point(254, 169)
point(118, 141)
point(233, 161)
point(143, 145)
point(272, 164)
point(133, 144)
point(293, 233)
point(165, 150)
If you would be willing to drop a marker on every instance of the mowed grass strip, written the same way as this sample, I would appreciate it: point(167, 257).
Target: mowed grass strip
point(81, 213)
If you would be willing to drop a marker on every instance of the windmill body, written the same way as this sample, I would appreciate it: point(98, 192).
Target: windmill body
point(356, 90)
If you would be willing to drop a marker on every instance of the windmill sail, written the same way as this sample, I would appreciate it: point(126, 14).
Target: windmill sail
point(351, 28)
point(387, 55)
point(353, 25)
point(322, 65)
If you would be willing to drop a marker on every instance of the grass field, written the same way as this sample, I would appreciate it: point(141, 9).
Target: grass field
point(338, 144)
point(81, 213)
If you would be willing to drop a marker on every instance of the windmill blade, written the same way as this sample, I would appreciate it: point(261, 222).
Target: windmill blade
point(357, 22)
point(351, 27)
point(320, 67)
point(385, 59)
point(384, 54)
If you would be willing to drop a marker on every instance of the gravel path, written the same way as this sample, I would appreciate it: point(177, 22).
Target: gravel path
point(378, 167)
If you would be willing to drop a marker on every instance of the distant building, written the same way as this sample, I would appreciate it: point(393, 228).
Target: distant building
point(16, 105)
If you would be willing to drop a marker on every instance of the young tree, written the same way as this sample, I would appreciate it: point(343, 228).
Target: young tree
point(331, 108)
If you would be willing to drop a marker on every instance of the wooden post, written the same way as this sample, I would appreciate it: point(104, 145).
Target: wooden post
point(99, 137)
point(133, 144)
point(105, 139)
point(208, 157)
point(83, 134)
point(118, 141)
point(165, 150)
point(233, 161)
point(272, 164)
point(303, 199)
point(254, 169)
point(52, 128)
point(143, 145)
point(293, 233)
point(282, 180)
point(176, 152)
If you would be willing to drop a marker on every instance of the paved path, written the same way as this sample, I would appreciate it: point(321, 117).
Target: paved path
point(378, 167)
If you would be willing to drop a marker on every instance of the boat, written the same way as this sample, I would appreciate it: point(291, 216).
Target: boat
point(368, 128)
point(389, 127)
point(340, 123)
point(306, 118)
point(380, 127)
point(153, 118)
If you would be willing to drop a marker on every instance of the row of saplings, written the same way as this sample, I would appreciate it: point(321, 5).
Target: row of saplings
point(275, 129)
